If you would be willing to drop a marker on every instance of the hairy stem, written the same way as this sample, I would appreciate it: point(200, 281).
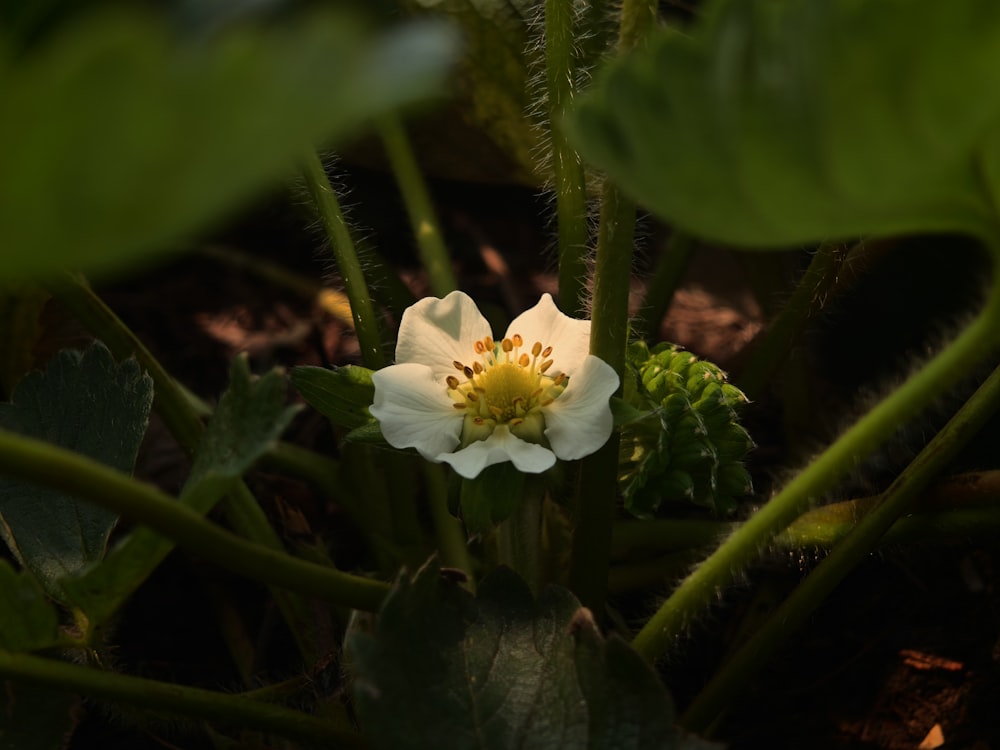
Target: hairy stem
point(46, 465)
point(598, 478)
point(567, 170)
point(699, 588)
point(366, 324)
point(423, 221)
point(168, 698)
point(788, 617)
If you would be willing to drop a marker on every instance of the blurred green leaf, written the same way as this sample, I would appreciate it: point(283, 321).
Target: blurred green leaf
point(27, 618)
point(502, 670)
point(787, 121)
point(119, 139)
point(83, 402)
point(342, 394)
point(251, 415)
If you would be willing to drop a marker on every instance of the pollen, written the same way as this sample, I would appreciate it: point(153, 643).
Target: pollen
point(506, 383)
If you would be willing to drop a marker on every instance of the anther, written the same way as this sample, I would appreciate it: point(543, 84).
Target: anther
point(545, 365)
point(560, 379)
point(546, 351)
point(472, 396)
point(458, 365)
point(516, 422)
point(507, 345)
point(518, 341)
point(477, 368)
point(468, 372)
point(458, 406)
point(524, 360)
point(479, 347)
point(536, 348)
point(489, 343)
point(452, 382)
point(496, 411)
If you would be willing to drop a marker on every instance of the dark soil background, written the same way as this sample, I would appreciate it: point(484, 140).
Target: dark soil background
point(904, 655)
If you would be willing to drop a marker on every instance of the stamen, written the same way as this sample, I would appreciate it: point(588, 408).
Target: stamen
point(518, 341)
point(458, 365)
point(479, 347)
point(458, 406)
point(560, 379)
point(489, 343)
point(496, 411)
point(452, 382)
point(545, 365)
point(472, 396)
point(547, 401)
point(546, 351)
point(477, 368)
point(524, 360)
point(468, 372)
point(507, 345)
point(516, 422)
point(536, 348)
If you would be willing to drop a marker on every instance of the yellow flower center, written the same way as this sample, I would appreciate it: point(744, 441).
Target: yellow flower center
point(505, 384)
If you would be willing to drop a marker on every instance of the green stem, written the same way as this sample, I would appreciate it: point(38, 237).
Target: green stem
point(788, 617)
point(663, 283)
point(519, 538)
point(423, 221)
point(785, 329)
point(700, 587)
point(366, 323)
point(46, 465)
point(450, 538)
point(568, 174)
point(597, 485)
point(166, 698)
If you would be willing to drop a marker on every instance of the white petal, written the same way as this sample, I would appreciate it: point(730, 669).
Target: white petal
point(580, 421)
point(414, 411)
point(568, 337)
point(499, 447)
point(436, 332)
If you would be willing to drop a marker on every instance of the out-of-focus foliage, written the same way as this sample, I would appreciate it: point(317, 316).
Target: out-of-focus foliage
point(120, 136)
point(777, 123)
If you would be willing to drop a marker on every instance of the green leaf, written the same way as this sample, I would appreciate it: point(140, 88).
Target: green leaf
point(86, 403)
point(501, 671)
point(27, 618)
point(250, 417)
point(36, 718)
point(789, 121)
point(129, 138)
point(342, 394)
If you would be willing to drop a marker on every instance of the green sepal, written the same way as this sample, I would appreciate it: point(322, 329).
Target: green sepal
point(491, 497)
point(342, 394)
point(370, 433)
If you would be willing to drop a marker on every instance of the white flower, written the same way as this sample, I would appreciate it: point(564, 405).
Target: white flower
point(459, 396)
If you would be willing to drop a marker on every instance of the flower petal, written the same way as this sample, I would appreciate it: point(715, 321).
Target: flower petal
point(436, 332)
point(414, 411)
point(568, 337)
point(580, 421)
point(499, 447)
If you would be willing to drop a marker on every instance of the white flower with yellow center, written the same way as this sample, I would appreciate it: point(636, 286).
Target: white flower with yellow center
point(461, 397)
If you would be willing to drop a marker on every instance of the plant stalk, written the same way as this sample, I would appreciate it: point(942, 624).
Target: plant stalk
point(700, 587)
point(46, 465)
point(178, 700)
point(791, 614)
point(366, 324)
